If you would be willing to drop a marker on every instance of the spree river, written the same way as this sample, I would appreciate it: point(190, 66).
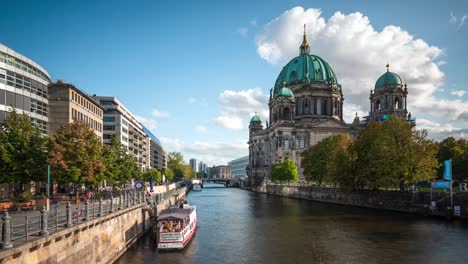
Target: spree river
point(237, 226)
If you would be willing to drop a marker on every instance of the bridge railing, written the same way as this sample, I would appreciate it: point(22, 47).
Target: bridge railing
point(23, 226)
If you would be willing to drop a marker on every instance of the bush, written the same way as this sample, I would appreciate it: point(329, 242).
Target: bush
point(24, 197)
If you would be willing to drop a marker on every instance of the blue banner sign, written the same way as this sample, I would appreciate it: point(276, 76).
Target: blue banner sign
point(151, 184)
point(448, 170)
point(440, 185)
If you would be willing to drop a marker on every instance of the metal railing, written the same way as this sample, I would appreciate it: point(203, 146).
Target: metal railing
point(24, 227)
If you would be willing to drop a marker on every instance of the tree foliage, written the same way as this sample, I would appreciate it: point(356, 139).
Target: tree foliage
point(457, 151)
point(23, 150)
point(119, 166)
point(180, 170)
point(76, 155)
point(157, 176)
point(384, 154)
point(323, 162)
point(284, 171)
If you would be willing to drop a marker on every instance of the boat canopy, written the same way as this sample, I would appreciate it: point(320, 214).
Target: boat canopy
point(177, 213)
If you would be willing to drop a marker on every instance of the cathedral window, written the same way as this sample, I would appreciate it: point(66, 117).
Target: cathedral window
point(300, 143)
point(377, 105)
point(312, 106)
point(287, 113)
point(324, 111)
point(286, 144)
point(397, 103)
point(319, 106)
point(299, 106)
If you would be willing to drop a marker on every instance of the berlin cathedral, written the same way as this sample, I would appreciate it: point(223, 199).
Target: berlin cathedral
point(306, 106)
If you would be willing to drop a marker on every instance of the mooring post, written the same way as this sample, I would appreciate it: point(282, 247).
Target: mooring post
point(69, 215)
point(6, 231)
point(44, 222)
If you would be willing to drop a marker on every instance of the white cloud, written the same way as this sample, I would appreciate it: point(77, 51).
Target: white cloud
point(149, 123)
point(358, 53)
point(239, 106)
point(208, 152)
point(158, 113)
point(230, 122)
point(350, 110)
point(458, 93)
point(243, 31)
point(197, 101)
point(200, 129)
point(462, 21)
point(453, 19)
point(439, 131)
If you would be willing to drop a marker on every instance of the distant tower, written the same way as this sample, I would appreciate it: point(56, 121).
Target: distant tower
point(388, 97)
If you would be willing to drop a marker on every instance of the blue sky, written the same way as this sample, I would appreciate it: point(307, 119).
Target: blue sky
point(194, 71)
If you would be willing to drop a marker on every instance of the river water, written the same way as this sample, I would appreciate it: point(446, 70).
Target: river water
point(237, 226)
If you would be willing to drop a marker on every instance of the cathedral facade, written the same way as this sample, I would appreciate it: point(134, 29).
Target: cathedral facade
point(306, 106)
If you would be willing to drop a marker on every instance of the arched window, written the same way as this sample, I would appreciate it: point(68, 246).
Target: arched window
point(325, 104)
point(377, 105)
point(397, 103)
point(287, 113)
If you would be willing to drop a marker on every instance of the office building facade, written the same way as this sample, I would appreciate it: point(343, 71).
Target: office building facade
point(67, 103)
point(239, 167)
point(23, 88)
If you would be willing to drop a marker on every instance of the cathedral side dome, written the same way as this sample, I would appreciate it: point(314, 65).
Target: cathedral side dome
point(255, 118)
point(387, 79)
point(285, 92)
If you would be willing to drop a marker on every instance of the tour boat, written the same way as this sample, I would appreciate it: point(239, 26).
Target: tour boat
point(196, 188)
point(176, 226)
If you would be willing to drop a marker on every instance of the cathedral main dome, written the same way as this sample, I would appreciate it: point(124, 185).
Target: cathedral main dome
point(388, 78)
point(306, 68)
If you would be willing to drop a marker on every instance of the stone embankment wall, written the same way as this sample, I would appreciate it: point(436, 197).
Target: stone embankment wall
point(101, 240)
point(408, 202)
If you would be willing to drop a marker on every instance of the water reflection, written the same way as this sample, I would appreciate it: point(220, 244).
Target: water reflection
point(236, 226)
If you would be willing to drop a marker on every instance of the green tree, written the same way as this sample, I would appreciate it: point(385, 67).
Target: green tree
point(169, 173)
point(157, 176)
point(324, 161)
point(456, 150)
point(176, 164)
point(23, 150)
point(284, 171)
point(76, 155)
point(119, 166)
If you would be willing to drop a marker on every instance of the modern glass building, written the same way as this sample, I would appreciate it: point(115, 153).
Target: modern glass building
point(23, 88)
point(239, 167)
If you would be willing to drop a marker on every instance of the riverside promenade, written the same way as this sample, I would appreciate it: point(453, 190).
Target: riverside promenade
point(97, 232)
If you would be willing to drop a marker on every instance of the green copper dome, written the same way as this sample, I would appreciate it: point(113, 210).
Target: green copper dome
point(388, 78)
point(255, 118)
point(286, 92)
point(306, 68)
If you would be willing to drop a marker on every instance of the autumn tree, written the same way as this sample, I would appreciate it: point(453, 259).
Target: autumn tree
point(284, 171)
point(76, 155)
point(23, 150)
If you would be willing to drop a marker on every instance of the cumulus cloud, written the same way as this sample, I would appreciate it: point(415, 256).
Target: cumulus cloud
point(459, 93)
point(230, 122)
point(243, 31)
point(149, 123)
point(439, 131)
point(358, 53)
point(158, 113)
point(239, 106)
point(208, 152)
